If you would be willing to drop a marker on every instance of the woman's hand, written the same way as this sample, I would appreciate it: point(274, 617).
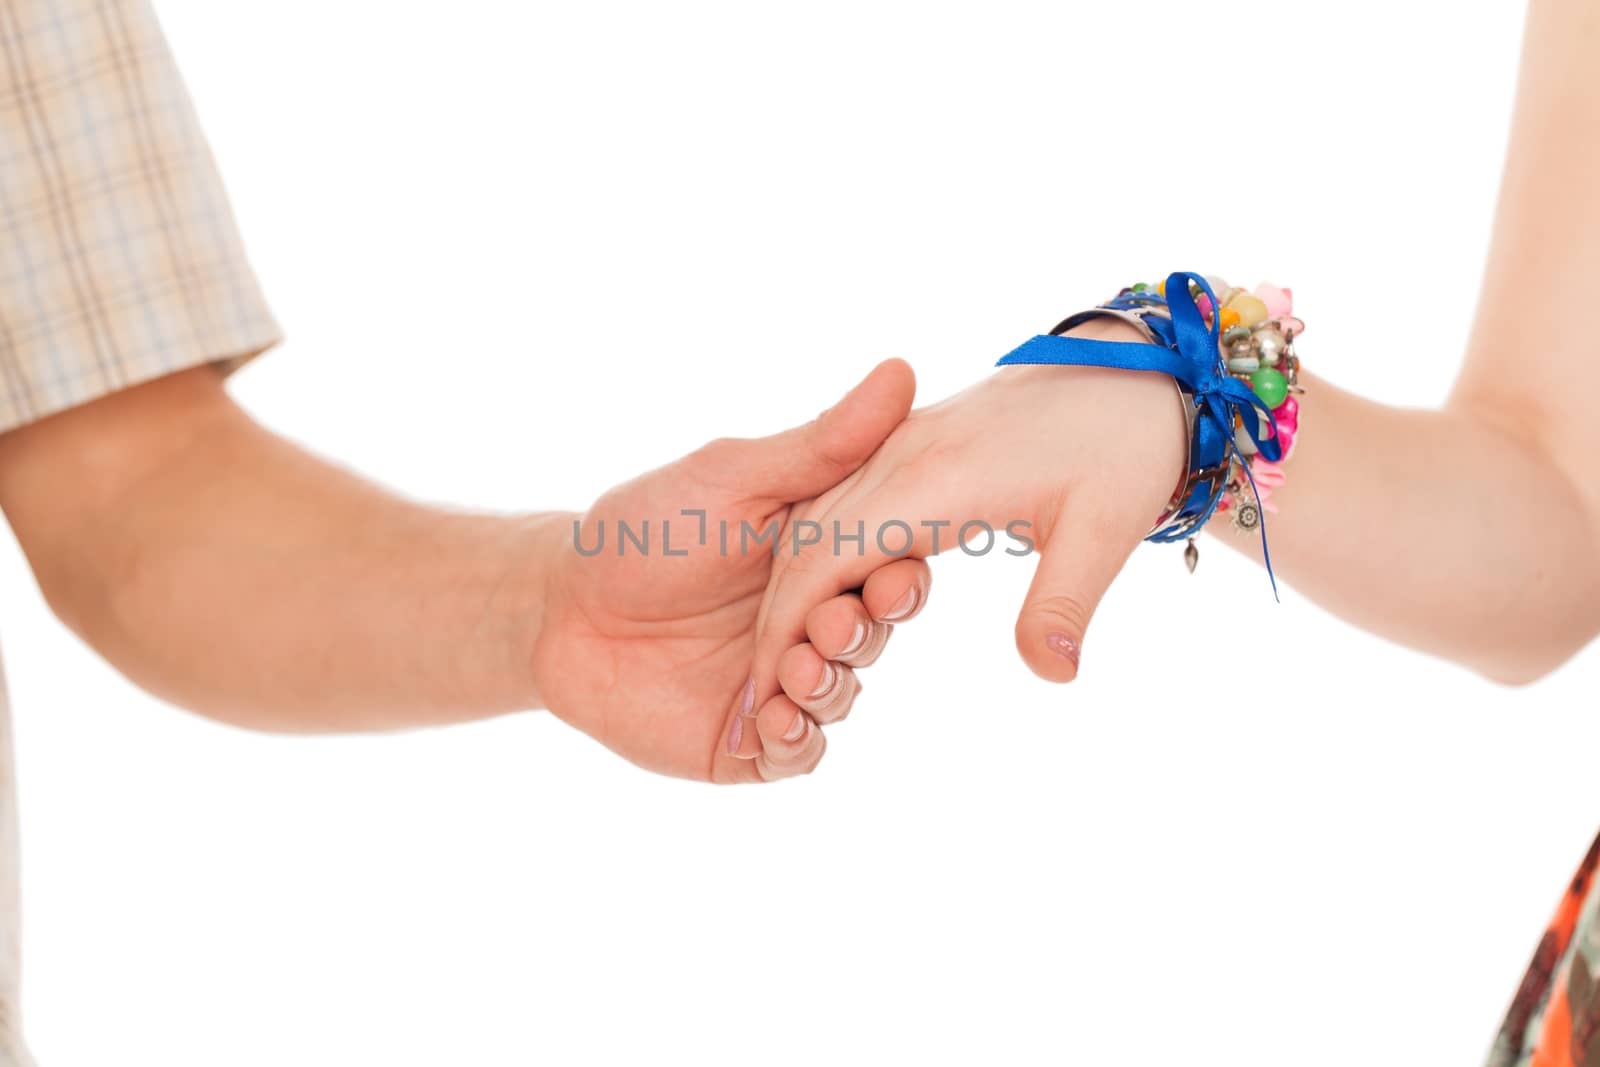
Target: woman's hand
point(649, 650)
point(1078, 460)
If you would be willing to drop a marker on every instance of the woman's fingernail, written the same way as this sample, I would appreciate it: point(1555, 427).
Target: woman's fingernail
point(858, 640)
point(747, 702)
point(904, 606)
point(830, 678)
point(1062, 645)
point(735, 735)
point(796, 729)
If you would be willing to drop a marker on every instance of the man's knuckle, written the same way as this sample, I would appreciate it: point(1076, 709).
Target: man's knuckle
point(717, 446)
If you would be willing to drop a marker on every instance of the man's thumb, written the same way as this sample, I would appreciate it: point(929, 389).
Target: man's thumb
point(803, 462)
point(1084, 555)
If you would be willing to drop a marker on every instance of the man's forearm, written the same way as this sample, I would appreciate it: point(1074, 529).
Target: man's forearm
point(228, 571)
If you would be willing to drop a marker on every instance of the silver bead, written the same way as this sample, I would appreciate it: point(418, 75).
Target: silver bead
point(1270, 344)
point(1246, 516)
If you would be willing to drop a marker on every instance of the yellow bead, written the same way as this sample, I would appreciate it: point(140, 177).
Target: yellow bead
point(1250, 310)
point(1162, 288)
point(1227, 319)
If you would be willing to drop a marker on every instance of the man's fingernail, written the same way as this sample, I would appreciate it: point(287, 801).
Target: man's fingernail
point(1062, 645)
point(735, 735)
point(747, 702)
point(796, 729)
point(858, 639)
point(904, 606)
point(830, 678)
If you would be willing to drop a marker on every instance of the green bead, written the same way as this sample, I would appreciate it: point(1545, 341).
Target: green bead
point(1269, 385)
point(1140, 287)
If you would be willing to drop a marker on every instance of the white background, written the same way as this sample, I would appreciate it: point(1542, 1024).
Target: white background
point(524, 251)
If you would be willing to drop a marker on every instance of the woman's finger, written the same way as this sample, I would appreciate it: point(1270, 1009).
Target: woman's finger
point(791, 742)
point(840, 629)
point(895, 592)
point(816, 574)
point(823, 687)
point(1088, 544)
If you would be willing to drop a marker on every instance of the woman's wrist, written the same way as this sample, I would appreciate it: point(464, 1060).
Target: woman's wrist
point(1157, 429)
point(1232, 354)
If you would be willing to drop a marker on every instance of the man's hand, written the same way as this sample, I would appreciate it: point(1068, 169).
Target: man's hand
point(228, 571)
point(651, 653)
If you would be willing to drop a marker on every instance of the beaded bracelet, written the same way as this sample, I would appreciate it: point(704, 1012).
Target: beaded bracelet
point(1233, 360)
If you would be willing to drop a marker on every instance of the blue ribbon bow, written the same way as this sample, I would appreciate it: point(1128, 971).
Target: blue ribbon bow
point(1190, 353)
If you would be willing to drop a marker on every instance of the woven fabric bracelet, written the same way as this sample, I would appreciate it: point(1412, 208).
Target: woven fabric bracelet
point(1233, 359)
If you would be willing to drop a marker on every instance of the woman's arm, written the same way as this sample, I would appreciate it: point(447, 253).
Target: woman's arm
point(1472, 532)
point(1458, 532)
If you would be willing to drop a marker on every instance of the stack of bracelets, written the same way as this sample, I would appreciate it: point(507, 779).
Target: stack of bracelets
point(1231, 353)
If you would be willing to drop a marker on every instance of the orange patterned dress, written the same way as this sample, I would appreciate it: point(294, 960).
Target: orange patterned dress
point(1554, 1020)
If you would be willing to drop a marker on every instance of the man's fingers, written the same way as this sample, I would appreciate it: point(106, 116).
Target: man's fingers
point(804, 462)
point(791, 743)
point(1085, 551)
point(740, 740)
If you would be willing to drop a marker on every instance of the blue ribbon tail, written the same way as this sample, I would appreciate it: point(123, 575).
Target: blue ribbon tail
point(1189, 352)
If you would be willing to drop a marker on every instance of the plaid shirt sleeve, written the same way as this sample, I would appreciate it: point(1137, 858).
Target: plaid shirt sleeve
point(119, 257)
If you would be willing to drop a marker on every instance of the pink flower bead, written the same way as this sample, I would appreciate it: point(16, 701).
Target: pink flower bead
point(1289, 409)
point(1204, 304)
point(1267, 474)
point(1286, 440)
point(1280, 302)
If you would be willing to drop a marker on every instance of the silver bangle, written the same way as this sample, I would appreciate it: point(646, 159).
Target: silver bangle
point(1189, 478)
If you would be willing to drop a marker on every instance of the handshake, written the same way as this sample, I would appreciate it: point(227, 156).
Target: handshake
point(720, 649)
